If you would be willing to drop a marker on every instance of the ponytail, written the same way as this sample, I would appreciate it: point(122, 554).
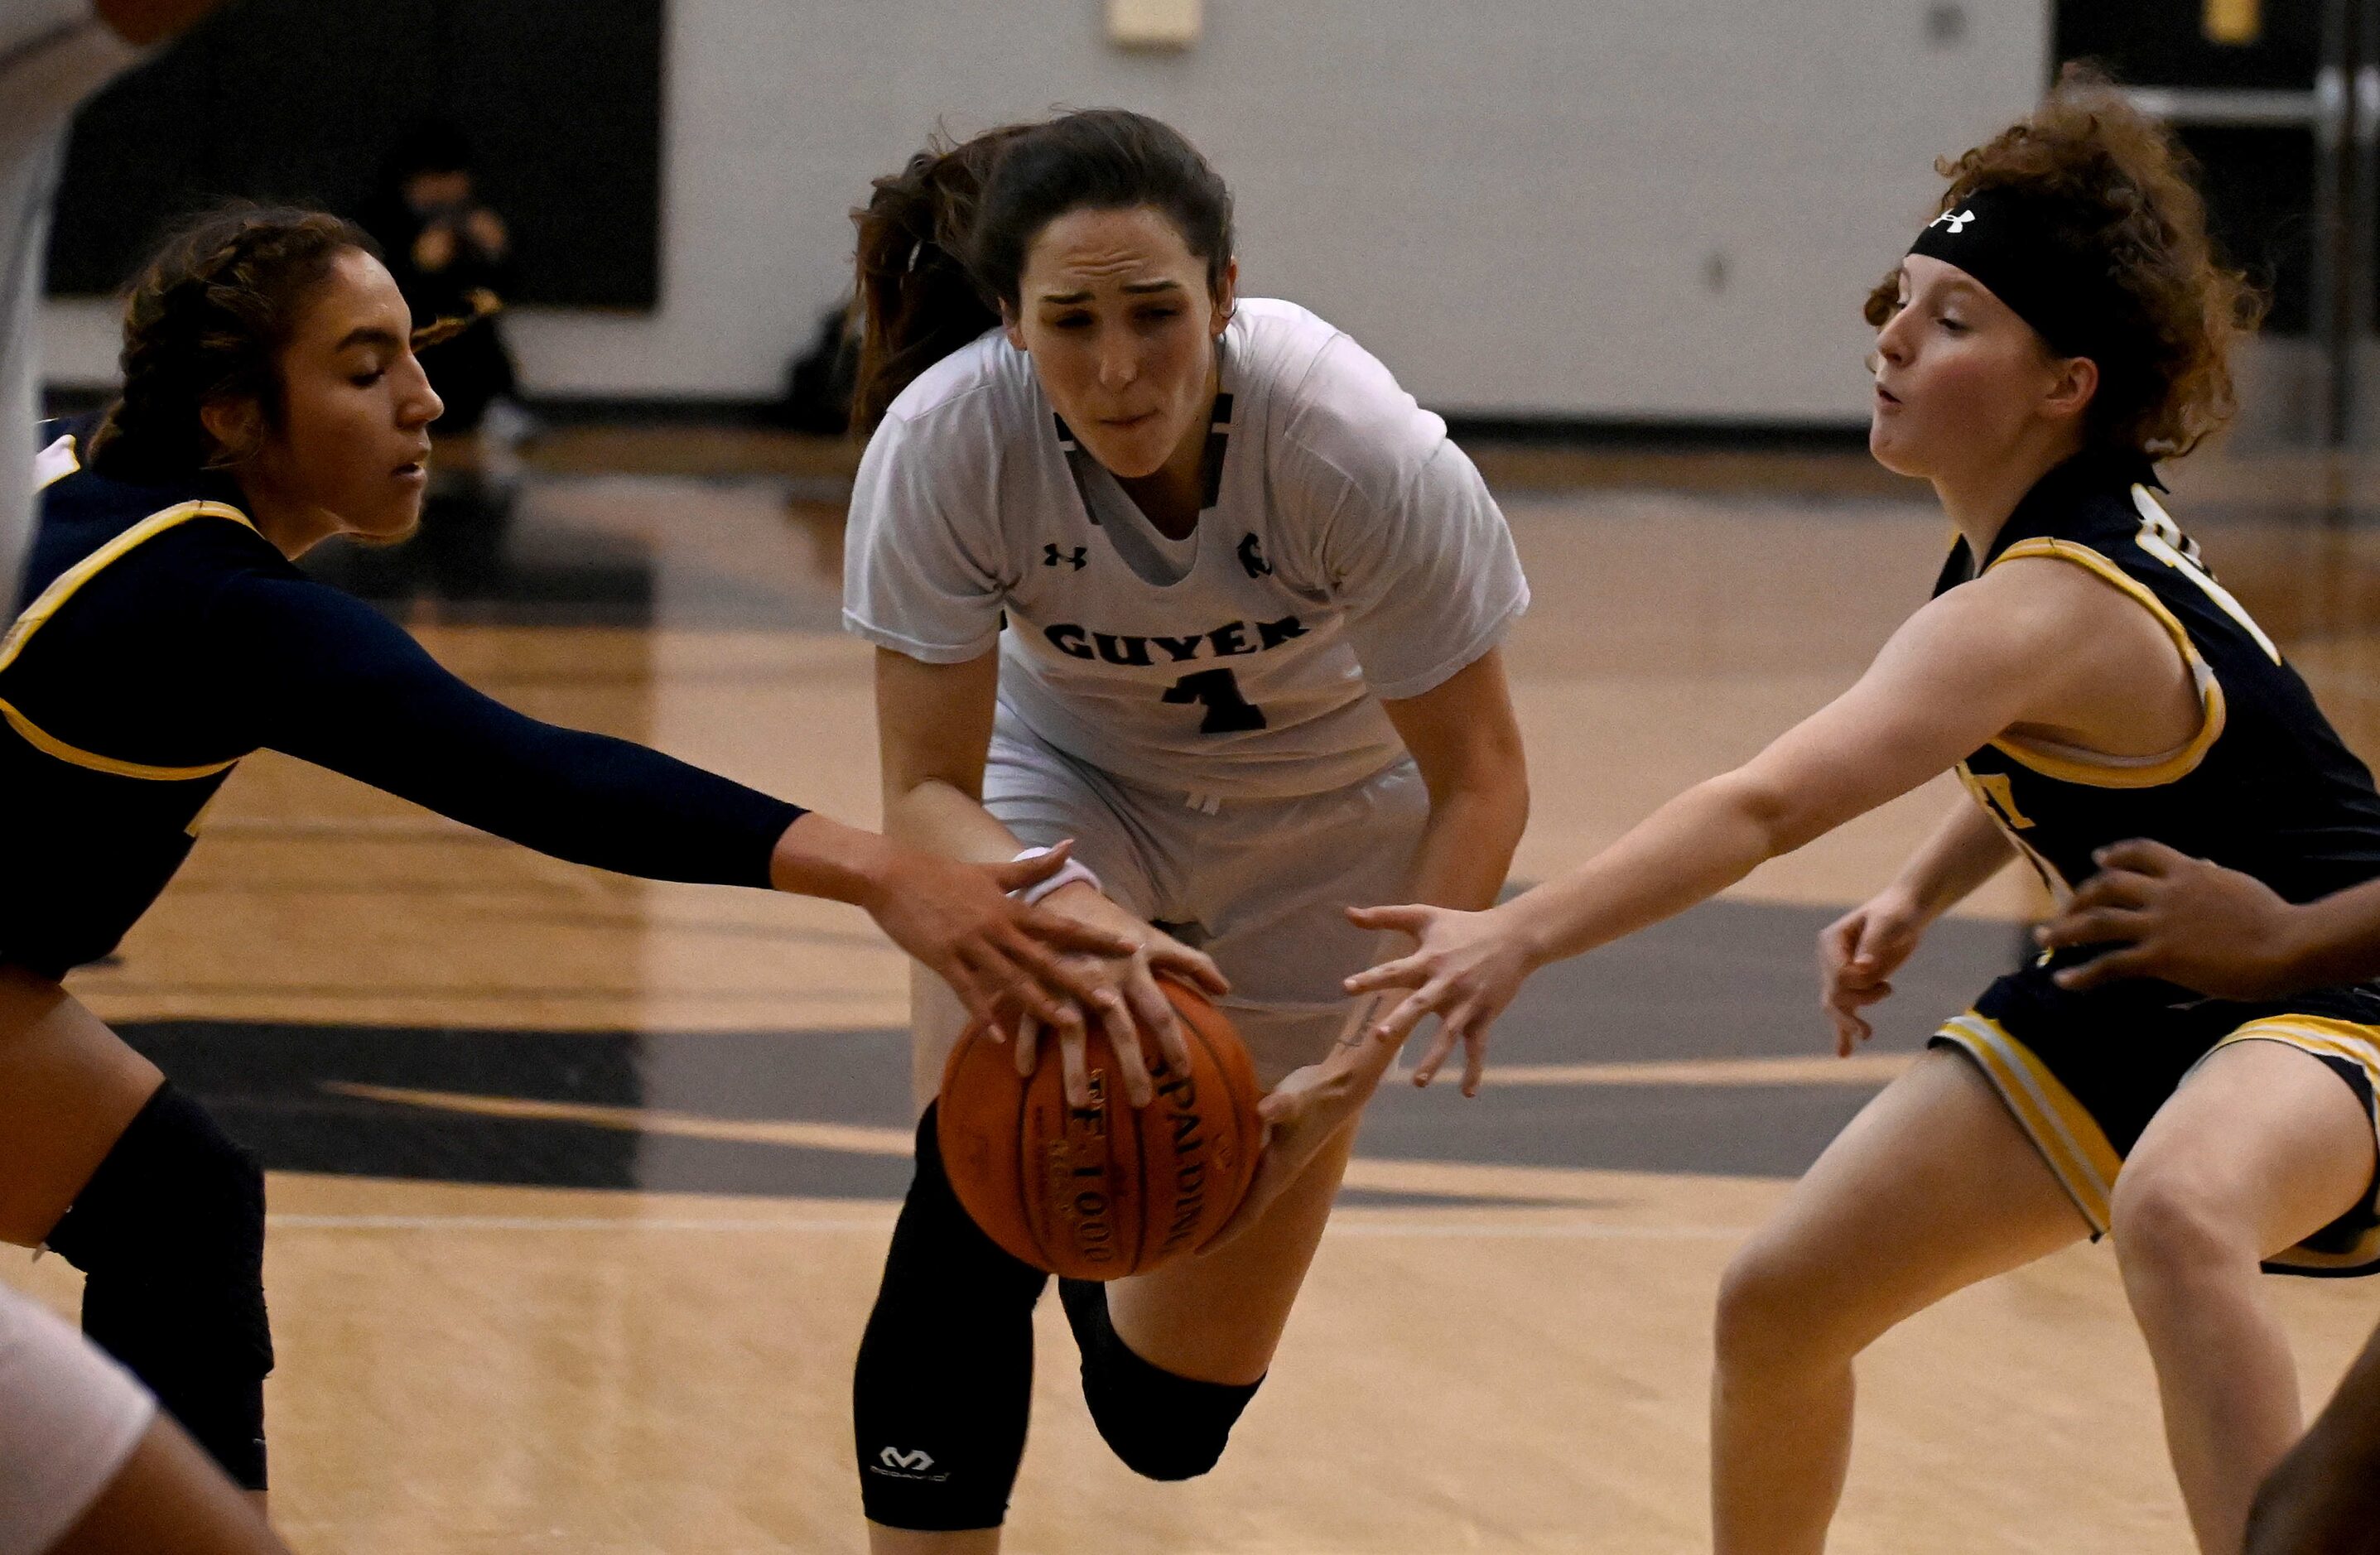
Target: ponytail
point(918, 303)
point(943, 242)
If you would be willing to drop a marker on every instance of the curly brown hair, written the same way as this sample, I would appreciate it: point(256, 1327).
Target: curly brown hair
point(2118, 185)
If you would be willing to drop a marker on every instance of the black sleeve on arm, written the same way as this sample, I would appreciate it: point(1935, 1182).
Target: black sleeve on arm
point(325, 678)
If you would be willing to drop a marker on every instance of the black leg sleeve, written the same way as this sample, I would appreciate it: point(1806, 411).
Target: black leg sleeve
point(1162, 1425)
point(169, 1233)
point(944, 1384)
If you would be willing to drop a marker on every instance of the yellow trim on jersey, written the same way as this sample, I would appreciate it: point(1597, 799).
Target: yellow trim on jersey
point(61, 590)
point(63, 586)
point(48, 743)
point(2069, 1137)
point(2323, 1038)
point(2108, 771)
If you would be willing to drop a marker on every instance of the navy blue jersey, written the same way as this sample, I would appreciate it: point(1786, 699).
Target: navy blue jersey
point(2266, 787)
point(161, 638)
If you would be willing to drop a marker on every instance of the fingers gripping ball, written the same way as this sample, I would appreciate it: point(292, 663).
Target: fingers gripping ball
point(1103, 1191)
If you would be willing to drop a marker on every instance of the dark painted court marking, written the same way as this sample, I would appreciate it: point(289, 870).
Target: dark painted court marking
point(1728, 980)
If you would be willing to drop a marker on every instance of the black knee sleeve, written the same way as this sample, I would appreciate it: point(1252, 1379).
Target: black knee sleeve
point(1163, 1427)
point(939, 1399)
point(169, 1233)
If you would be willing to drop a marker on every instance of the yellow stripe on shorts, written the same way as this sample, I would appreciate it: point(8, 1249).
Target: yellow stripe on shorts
point(2068, 1139)
point(2323, 1038)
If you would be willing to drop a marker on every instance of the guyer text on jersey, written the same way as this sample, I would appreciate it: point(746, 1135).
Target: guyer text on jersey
point(1133, 649)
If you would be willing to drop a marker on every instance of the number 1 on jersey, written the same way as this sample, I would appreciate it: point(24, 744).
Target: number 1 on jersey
point(1217, 691)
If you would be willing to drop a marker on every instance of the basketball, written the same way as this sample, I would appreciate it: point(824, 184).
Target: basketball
point(1110, 1189)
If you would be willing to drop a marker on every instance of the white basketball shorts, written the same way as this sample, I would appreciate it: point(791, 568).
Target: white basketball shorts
point(1262, 885)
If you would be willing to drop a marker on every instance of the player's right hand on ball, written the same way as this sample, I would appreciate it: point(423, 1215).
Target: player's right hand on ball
point(1306, 1112)
point(1857, 954)
point(1119, 993)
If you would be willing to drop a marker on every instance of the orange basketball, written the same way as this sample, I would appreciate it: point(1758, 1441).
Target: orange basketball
point(1103, 1191)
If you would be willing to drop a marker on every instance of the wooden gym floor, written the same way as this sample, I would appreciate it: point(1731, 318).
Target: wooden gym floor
point(580, 1185)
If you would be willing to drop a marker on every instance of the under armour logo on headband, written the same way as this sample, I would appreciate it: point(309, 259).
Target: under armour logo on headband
point(1957, 222)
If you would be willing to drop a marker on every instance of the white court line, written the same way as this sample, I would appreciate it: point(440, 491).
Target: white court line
point(1581, 1230)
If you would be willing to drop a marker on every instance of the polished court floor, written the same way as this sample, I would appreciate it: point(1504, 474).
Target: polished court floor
point(581, 1185)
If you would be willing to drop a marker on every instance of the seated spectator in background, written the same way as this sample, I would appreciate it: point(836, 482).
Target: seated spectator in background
point(452, 258)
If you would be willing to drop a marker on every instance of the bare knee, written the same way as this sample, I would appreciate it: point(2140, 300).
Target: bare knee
point(1776, 1316)
point(2173, 1231)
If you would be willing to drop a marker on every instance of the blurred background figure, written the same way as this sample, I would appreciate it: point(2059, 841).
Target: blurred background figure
point(452, 257)
point(821, 377)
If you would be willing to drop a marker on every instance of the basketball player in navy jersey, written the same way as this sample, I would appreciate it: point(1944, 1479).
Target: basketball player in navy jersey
point(270, 400)
point(2057, 327)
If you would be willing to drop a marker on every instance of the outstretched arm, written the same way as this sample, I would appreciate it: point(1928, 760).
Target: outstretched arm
point(311, 672)
point(1958, 672)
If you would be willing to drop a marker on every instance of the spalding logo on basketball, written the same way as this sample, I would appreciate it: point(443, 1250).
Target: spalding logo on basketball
point(1110, 1189)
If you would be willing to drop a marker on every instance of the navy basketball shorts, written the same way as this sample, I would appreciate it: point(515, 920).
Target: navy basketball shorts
point(2083, 1073)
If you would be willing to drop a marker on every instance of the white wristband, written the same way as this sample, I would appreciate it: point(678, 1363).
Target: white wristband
point(1068, 873)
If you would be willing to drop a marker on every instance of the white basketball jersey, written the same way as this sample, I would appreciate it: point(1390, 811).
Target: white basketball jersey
point(1346, 551)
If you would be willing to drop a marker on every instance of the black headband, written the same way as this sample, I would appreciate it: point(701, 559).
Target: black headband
point(2008, 242)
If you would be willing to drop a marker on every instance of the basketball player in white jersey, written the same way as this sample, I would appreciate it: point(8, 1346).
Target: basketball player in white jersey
point(1189, 579)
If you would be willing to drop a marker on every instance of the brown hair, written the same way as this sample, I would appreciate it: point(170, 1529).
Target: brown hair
point(206, 321)
point(2119, 187)
point(942, 242)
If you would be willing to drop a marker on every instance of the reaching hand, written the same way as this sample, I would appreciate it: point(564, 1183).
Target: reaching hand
point(1001, 958)
point(1307, 1111)
point(2180, 919)
point(1123, 996)
point(1465, 968)
point(1856, 953)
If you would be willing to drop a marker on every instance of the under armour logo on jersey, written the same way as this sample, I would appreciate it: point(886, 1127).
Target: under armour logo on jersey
point(1051, 556)
point(1252, 556)
point(1957, 224)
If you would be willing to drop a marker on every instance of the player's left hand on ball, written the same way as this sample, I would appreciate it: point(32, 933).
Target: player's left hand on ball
point(2182, 919)
point(1465, 968)
point(1301, 1115)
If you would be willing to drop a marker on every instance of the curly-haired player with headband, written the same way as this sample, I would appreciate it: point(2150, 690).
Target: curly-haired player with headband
point(271, 399)
point(2059, 327)
point(1185, 576)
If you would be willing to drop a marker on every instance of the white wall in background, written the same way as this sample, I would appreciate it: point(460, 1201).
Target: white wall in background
point(1659, 208)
